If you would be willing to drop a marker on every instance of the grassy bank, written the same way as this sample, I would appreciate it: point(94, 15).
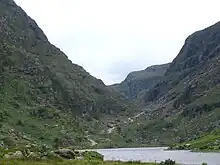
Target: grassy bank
point(68, 162)
point(206, 143)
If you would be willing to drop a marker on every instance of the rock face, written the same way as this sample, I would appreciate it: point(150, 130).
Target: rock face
point(45, 98)
point(38, 83)
point(186, 103)
point(194, 72)
point(139, 82)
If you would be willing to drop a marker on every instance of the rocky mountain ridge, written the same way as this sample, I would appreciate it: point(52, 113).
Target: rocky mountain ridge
point(137, 83)
point(44, 96)
point(185, 103)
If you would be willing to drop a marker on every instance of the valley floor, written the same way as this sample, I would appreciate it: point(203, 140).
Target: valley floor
point(79, 162)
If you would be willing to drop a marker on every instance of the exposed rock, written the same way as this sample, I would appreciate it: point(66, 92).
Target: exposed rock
point(110, 125)
point(16, 155)
point(34, 155)
point(188, 96)
point(187, 145)
point(1, 144)
point(79, 158)
point(66, 153)
point(39, 80)
point(138, 82)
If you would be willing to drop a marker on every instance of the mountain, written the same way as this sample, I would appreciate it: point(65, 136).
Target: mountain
point(45, 98)
point(194, 71)
point(185, 104)
point(138, 82)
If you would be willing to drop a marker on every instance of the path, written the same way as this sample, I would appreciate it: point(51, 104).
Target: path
point(139, 114)
point(110, 130)
point(130, 119)
point(93, 143)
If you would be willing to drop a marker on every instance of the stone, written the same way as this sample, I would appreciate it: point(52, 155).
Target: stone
point(28, 146)
point(1, 144)
point(80, 158)
point(16, 155)
point(187, 145)
point(66, 153)
point(33, 155)
point(110, 125)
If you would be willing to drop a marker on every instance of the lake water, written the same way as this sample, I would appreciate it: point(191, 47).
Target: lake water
point(159, 154)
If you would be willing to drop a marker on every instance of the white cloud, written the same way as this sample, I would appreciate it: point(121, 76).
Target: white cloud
point(111, 38)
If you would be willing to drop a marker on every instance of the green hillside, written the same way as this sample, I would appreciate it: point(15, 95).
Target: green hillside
point(185, 103)
point(45, 98)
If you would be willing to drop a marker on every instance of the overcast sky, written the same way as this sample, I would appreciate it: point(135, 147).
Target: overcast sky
point(111, 38)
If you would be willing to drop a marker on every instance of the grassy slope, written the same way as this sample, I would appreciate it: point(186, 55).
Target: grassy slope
point(80, 162)
point(44, 97)
point(186, 105)
point(209, 142)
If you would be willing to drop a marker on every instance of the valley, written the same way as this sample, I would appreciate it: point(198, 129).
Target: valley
point(49, 102)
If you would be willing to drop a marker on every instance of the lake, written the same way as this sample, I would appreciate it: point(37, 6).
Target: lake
point(160, 154)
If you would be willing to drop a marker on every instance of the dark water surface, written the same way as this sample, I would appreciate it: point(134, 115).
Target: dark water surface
point(158, 154)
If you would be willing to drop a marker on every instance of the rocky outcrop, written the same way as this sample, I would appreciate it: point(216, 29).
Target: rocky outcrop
point(15, 155)
point(66, 153)
point(185, 103)
point(38, 81)
point(138, 82)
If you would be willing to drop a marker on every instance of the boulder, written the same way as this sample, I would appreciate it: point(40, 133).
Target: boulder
point(1, 144)
point(110, 125)
point(66, 153)
point(33, 155)
point(188, 145)
point(16, 155)
point(79, 158)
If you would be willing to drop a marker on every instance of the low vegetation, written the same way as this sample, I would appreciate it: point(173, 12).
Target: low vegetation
point(68, 162)
point(46, 99)
point(205, 143)
point(168, 162)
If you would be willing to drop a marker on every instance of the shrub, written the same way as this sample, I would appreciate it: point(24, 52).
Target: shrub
point(168, 162)
point(8, 141)
point(92, 155)
point(20, 122)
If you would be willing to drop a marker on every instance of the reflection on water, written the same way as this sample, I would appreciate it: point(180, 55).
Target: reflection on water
point(159, 154)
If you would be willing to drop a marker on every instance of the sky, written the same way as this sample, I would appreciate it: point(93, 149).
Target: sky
point(111, 38)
